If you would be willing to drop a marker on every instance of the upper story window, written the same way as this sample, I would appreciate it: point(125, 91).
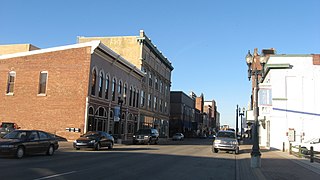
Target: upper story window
point(114, 84)
point(93, 82)
point(150, 79)
point(125, 89)
point(130, 97)
point(149, 101)
point(161, 86)
point(43, 82)
point(156, 84)
point(142, 101)
point(11, 80)
point(137, 100)
point(106, 91)
point(100, 83)
point(134, 97)
point(119, 88)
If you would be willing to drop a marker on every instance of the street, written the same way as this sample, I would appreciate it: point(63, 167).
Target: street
point(189, 159)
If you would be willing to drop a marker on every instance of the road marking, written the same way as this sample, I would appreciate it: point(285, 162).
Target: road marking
point(56, 175)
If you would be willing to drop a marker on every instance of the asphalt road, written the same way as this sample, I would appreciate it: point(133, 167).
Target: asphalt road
point(190, 159)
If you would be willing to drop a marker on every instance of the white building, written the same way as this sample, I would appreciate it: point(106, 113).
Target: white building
point(289, 100)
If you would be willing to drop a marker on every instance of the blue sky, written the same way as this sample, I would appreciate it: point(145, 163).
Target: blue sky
point(206, 40)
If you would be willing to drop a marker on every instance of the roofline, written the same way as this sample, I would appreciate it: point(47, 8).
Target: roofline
point(93, 44)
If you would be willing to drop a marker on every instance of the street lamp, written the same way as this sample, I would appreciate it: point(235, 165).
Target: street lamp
point(241, 114)
point(120, 103)
point(254, 71)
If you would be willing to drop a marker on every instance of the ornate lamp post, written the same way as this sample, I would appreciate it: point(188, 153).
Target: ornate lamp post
point(120, 103)
point(241, 120)
point(254, 71)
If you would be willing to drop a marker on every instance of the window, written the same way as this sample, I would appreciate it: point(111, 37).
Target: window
point(149, 101)
point(134, 97)
point(114, 84)
point(100, 84)
point(106, 91)
point(160, 105)
point(161, 86)
point(125, 94)
point(43, 83)
point(150, 79)
point(93, 82)
point(120, 88)
point(156, 83)
point(137, 101)
point(142, 99)
point(130, 98)
point(155, 103)
point(11, 79)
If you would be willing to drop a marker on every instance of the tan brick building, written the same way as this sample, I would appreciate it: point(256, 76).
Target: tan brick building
point(155, 92)
point(14, 48)
point(69, 88)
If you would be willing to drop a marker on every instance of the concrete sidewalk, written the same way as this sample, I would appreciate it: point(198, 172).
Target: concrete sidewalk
point(275, 165)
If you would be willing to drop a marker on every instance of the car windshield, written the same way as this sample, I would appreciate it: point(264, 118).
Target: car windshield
point(16, 135)
point(91, 134)
point(143, 131)
point(226, 134)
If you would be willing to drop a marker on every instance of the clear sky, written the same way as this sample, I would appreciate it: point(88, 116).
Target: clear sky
point(206, 40)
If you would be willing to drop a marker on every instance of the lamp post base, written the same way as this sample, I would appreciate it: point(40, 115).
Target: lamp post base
point(255, 161)
point(119, 141)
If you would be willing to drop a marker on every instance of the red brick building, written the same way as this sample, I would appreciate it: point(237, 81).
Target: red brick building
point(73, 87)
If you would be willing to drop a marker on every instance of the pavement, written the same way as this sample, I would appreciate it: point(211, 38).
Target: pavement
point(275, 164)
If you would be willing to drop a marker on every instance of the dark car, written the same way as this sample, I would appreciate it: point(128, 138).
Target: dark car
point(7, 127)
point(95, 140)
point(21, 142)
point(146, 136)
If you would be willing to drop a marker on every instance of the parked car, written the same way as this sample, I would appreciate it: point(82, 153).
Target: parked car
point(18, 143)
point(95, 140)
point(178, 136)
point(146, 136)
point(7, 127)
point(306, 146)
point(226, 141)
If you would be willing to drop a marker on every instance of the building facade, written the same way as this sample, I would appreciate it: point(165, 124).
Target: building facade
point(289, 100)
point(69, 90)
point(154, 97)
point(182, 114)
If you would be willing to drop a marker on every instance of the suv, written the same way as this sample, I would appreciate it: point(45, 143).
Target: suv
point(7, 127)
point(227, 141)
point(146, 136)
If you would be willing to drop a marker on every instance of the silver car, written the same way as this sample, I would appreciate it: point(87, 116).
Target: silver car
point(226, 141)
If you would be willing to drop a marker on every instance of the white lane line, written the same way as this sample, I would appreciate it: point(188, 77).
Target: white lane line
point(56, 175)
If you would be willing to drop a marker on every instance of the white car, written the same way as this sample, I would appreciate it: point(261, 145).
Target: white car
point(315, 143)
point(178, 136)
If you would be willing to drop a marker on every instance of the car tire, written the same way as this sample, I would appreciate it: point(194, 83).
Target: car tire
point(110, 146)
point(98, 147)
point(20, 152)
point(50, 150)
point(77, 148)
point(236, 151)
point(216, 150)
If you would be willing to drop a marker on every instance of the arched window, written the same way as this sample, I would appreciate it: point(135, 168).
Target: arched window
point(93, 82)
point(130, 97)
point(137, 100)
point(106, 91)
point(119, 88)
point(100, 83)
point(114, 84)
point(134, 97)
point(125, 89)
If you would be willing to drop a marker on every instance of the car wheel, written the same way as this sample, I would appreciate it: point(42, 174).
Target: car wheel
point(216, 150)
point(77, 148)
point(236, 151)
point(20, 152)
point(98, 147)
point(110, 146)
point(50, 150)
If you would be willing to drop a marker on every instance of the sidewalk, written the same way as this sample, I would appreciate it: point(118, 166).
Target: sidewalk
point(275, 164)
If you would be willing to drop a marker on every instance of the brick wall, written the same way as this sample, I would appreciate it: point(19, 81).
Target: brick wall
point(316, 59)
point(67, 87)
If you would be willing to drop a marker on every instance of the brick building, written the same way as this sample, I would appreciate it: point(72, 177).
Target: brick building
point(155, 91)
point(74, 87)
